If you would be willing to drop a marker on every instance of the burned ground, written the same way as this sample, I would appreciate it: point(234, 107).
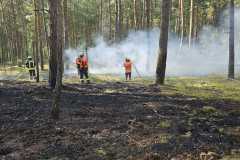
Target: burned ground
point(113, 121)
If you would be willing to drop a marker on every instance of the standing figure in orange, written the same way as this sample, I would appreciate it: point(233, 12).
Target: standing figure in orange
point(128, 69)
point(78, 64)
point(82, 65)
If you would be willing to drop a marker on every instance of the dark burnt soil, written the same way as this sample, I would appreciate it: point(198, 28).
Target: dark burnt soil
point(113, 121)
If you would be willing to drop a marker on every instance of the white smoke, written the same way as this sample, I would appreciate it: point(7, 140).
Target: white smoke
point(208, 56)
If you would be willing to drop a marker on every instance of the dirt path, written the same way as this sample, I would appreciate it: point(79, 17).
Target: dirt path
point(113, 121)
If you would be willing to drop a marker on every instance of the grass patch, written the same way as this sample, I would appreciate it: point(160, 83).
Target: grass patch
point(209, 87)
point(206, 88)
point(163, 138)
point(208, 111)
point(164, 124)
point(231, 157)
point(101, 152)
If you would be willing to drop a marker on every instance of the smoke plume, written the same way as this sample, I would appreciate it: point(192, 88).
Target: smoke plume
point(209, 55)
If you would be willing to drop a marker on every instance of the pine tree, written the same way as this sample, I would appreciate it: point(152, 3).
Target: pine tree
point(163, 42)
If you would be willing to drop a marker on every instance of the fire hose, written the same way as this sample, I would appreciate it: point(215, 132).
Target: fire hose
point(138, 73)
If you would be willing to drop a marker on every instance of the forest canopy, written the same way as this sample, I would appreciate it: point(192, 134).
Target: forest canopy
point(25, 23)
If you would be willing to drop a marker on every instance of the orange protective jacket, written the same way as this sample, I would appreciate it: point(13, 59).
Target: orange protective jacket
point(82, 63)
point(128, 67)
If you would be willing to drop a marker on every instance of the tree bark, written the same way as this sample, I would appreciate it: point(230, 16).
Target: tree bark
point(148, 66)
point(231, 74)
point(57, 43)
point(41, 55)
point(182, 22)
point(190, 24)
point(40, 37)
point(53, 42)
point(135, 14)
point(66, 24)
point(143, 9)
point(117, 21)
point(110, 20)
point(148, 12)
point(36, 41)
point(163, 42)
point(101, 16)
point(45, 26)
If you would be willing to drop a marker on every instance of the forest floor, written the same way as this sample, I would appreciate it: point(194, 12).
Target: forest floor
point(107, 120)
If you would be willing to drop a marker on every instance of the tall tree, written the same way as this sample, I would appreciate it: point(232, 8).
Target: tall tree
point(110, 19)
point(101, 16)
point(66, 23)
point(57, 43)
point(117, 20)
point(45, 26)
point(36, 41)
point(148, 12)
point(163, 42)
point(231, 42)
point(135, 19)
point(181, 4)
point(190, 24)
point(40, 33)
point(53, 42)
point(148, 5)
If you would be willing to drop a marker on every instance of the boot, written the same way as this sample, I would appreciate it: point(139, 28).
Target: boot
point(88, 81)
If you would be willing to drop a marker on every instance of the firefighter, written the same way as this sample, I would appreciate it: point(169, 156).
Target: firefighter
point(128, 69)
point(82, 64)
point(78, 64)
point(31, 67)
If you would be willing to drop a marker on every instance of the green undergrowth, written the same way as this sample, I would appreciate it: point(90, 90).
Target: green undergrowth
point(12, 69)
point(206, 87)
point(209, 87)
point(103, 78)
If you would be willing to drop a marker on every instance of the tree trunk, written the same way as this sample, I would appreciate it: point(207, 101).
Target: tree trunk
point(36, 41)
point(148, 12)
point(117, 21)
point(231, 42)
point(57, 43)
point(53, 64)
point(163, 42)
point(190, 24)
point(151, 12)
point(148, 66)
point(40, 34)
point(182, 23)
point(41, 55)
point(120, 5)
point(15, 54)
point(66, 24)
point(45, 26)
point(143, 9)
point(101, 16)
point(135, 14)
point(196, 21)
point(110, 20)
